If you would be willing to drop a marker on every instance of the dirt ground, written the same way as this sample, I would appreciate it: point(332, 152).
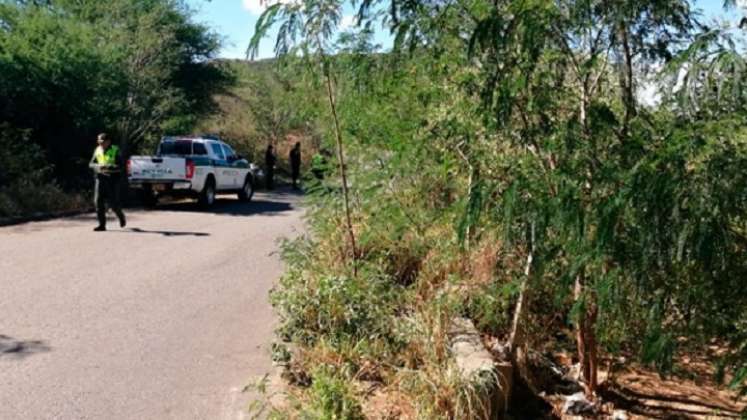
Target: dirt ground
point(641, 393)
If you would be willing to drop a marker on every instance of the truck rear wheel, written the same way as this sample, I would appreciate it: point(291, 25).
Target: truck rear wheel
point(148, 197)
point(207, 196)
point(247, 191)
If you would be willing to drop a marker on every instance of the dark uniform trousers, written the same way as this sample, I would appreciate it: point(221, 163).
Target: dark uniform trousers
point(107, 192)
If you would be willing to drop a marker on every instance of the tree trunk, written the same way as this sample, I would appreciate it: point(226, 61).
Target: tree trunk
point(585, 337)
point(626, 78)
point(470, 189)
point(343, 171)
point(586, 343)
point(517, 337)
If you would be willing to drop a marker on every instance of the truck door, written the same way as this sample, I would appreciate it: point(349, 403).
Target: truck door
point(222, 169)
point(235, 163)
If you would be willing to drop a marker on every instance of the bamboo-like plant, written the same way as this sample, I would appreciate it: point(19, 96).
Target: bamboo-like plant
point(307, 28)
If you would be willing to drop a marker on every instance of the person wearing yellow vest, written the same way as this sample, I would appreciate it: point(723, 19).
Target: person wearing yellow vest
point(106, 163)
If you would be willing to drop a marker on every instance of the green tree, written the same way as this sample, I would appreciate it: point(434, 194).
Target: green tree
point(75, 68)
point(547, 75)
point(308, 27)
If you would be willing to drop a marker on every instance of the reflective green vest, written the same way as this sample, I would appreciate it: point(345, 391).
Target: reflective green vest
point(108, 157)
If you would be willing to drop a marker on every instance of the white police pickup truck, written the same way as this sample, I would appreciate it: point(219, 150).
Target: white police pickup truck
point(192, 166)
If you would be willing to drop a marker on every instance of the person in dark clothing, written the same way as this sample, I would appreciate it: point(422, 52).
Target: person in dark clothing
point(270, 160)
point(107, 164)
point(295, 163)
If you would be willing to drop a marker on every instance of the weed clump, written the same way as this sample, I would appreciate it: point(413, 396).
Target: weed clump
point(335, 307)
point(331, 398)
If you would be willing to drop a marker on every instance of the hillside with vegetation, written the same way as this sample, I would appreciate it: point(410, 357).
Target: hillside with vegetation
point(502, 165)
point(267, 103)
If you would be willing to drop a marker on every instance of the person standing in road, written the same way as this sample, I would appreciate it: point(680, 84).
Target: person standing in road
point(270, 160)
point(107, 164)
point(295, 163)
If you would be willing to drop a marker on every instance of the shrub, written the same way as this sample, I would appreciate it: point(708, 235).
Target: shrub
point(331, 398)
point(25, 185)
point(336, 307)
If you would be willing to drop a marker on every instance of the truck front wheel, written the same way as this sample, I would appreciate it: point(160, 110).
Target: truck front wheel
point(247, 191)
point(207, 196)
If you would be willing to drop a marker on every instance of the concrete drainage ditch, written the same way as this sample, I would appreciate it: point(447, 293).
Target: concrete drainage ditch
point(477, 365)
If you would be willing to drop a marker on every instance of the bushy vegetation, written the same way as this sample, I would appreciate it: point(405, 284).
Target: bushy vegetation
point(499, 164)
point(72, 69)
point(25, 186)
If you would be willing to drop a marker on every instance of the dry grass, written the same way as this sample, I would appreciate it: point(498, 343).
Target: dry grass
point(389, 404)
point(484, 261)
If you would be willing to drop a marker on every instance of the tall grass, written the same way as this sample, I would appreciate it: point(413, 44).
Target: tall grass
point(387, 326)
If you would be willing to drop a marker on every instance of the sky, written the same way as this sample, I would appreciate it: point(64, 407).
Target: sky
point(235, 20)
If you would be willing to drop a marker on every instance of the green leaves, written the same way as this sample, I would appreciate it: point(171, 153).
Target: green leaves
point(495, 119)
point(709, 78)
point(268, 18)
point(72, 69)
point(470, 217)
point(332, 398)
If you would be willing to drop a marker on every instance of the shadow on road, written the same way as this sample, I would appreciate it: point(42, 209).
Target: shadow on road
point(285, 190)
point(11, 348)
point(265, 203)
point(162, 232)
point(230, 207)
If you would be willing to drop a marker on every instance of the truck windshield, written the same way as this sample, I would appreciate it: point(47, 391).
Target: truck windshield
point(177, 147)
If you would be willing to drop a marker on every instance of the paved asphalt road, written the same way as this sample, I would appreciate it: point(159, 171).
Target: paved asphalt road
point(165, 319)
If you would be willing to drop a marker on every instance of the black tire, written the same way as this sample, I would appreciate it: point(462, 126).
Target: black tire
point(247, 191)
point(207, 195)
point(148, 197)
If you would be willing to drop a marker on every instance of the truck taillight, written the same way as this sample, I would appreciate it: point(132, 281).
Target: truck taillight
point(190, 169)
point(129, 167)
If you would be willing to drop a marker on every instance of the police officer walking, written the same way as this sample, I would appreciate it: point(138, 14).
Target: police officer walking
point(106, 163)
